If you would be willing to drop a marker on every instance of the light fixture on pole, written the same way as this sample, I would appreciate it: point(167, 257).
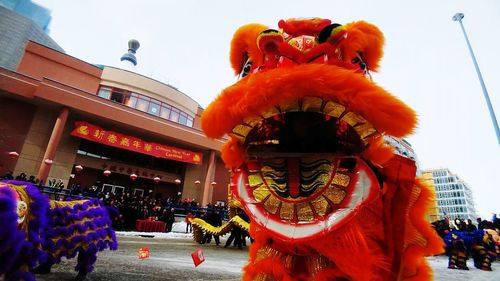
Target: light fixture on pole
point(177, 181)
point(107, 173)
point(458, 17)
point(213, 183)
point(48, 161)
point(157, 179)
point(133, 177)
point(197, 182)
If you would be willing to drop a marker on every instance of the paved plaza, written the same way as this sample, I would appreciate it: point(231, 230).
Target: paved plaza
point(170, 259)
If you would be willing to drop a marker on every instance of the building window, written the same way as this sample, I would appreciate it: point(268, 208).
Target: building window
point(154, 108)
point(132, 101)
point(146, 104)
point(174, 115)
point(142, 105)
point(183, 118)
point(165, 111)
point(119, 96)
point(104, 92)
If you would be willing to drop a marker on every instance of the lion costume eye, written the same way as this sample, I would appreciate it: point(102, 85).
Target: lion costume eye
point(246, 68)
point(330, 33)
point(269, 41)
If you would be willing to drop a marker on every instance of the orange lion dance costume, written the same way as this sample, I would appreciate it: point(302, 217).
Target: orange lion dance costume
point(327, 198)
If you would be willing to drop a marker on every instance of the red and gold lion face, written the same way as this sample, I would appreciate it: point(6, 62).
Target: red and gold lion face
point(307, 127)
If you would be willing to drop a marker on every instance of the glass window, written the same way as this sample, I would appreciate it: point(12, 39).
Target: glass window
point(183, 118)
point(142, 105)
point(165, 111)
point(104, 92)
point(132, 101)
point(117, 95)
point(174, 115)
point(154, 108)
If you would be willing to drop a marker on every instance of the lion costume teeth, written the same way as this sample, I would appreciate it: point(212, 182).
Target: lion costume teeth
point(327, 199)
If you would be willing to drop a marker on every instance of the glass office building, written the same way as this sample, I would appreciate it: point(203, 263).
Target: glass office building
point(38, 14)
point(454, 196)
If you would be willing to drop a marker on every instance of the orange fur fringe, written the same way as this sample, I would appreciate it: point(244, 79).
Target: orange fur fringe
point(233, 154)
point(415, 267)
point(260, 91)
point(244, 45)
point(365, 38)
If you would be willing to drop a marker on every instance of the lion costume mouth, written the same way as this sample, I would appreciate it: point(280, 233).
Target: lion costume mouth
point(298, 180)
point(300, 121)
point(320, 209)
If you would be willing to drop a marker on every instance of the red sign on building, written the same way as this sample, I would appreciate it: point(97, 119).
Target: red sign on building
point(94, 133)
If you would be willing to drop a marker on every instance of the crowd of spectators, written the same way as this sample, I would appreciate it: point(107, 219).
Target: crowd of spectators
point(20, 177)
point(445, 226)
point(146, 207)
point(133, 207)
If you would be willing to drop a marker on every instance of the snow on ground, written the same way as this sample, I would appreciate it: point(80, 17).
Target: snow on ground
point(178, 232)
point(157, 235)
point(442, 273)
point(438, 263)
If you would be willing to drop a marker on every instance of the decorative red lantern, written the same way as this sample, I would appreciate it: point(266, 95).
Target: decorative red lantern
point(13, 154)
point(48, 161)
point(197, 182)
point(133, 177)
point(78, 168)
point(157, 179)
point(107, 173)
point(177, 181)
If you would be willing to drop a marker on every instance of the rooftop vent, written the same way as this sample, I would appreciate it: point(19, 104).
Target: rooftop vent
point(129, 57)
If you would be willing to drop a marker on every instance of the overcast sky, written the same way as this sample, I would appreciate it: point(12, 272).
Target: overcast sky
point(426, 62)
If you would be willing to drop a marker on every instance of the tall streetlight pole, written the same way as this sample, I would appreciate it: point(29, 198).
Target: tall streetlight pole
point(458, 17)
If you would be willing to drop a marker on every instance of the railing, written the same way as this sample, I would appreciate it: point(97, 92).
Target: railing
point(63, 194)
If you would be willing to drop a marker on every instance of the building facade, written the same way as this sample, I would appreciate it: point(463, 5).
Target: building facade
point(58, 113)
point(403, 147)
point(433, 211)
point(38, 14)
point(454, 196)
point(15, 32)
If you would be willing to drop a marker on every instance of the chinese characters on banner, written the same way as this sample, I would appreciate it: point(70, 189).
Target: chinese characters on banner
point(97, 134)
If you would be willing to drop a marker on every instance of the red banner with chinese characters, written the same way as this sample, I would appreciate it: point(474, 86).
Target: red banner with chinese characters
point(94, 133)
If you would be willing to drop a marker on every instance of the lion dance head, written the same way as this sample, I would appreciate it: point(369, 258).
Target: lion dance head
point(327, 197)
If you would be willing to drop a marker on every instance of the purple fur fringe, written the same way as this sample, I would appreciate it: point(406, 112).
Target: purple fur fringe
point(28, 250)
point(60, 232)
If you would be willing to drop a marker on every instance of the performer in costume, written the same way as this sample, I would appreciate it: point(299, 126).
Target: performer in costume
point(456, 251)
point(478, 244)
point(327, 198)
point(202, 228)
point(37, 232)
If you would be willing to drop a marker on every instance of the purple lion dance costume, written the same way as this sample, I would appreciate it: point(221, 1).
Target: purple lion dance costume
point(36, 231)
